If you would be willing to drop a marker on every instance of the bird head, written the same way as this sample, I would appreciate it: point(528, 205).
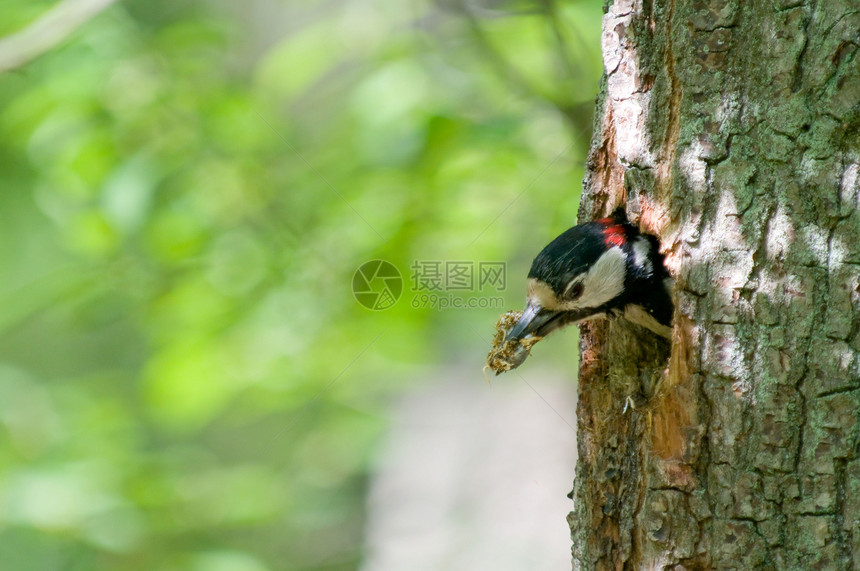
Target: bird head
point(597, 269)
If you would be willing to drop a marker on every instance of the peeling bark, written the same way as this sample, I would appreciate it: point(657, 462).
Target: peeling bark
point(731, 130)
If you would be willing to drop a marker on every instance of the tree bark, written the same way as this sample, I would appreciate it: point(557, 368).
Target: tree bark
point(730, 130)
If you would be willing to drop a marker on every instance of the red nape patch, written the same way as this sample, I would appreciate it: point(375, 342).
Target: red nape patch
point(614, 235)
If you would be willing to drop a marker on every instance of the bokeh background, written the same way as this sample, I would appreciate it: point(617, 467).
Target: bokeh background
point(186, 380)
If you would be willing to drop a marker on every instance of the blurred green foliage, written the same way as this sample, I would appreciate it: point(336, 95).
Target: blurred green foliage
point(186, 381)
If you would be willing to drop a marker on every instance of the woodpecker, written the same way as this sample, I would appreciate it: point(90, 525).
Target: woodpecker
point(601, 269)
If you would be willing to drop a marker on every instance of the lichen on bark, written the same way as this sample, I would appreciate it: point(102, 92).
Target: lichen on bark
point(731, 130)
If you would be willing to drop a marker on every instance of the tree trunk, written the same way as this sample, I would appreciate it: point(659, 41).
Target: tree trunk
point(731, 130)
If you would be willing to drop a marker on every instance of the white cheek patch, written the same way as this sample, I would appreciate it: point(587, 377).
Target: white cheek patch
point(640, 316)
point(603, 282)
point(641, 255)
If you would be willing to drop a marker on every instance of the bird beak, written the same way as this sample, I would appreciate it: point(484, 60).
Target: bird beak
point(538, 321)
point(533, 319)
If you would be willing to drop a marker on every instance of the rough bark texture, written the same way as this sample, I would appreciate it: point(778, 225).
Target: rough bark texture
point(731, 130)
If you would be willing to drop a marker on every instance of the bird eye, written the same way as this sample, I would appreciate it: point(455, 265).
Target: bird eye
point(575, 290)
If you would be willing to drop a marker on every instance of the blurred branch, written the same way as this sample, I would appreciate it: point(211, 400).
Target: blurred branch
point(53, 27)
point(578, 115)
point(551, 11)
point(497, 60)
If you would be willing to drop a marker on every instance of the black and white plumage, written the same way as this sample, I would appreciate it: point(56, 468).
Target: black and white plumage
point(603, 268)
